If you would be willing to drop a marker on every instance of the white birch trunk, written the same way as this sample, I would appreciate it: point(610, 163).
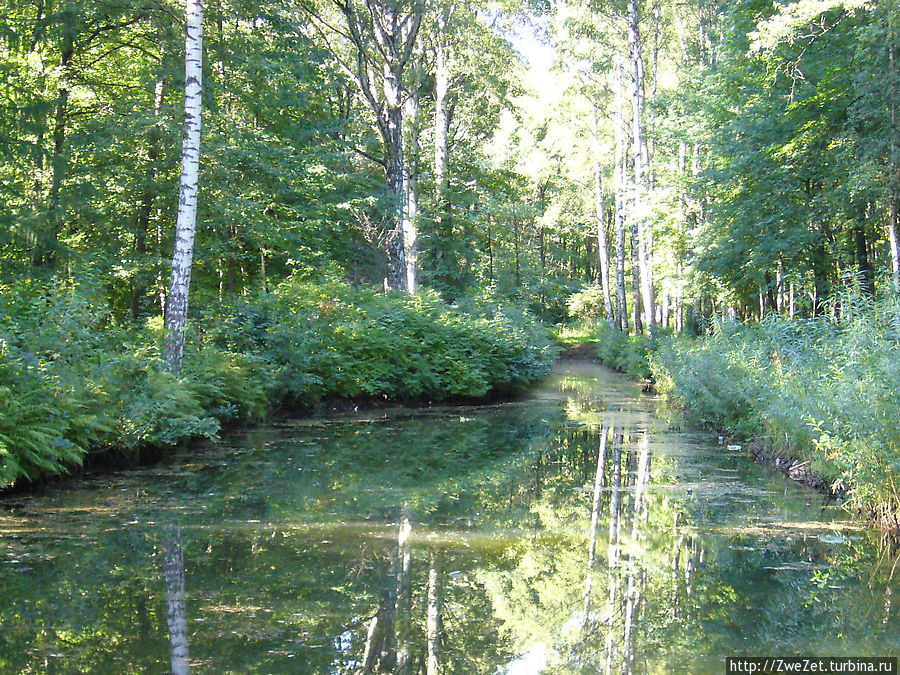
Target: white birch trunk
point(613, 555)
point(895, 170)
point(621, 302)
point(638, 150)
point(682, 225)
point(665, 309)
point(443, 227)
point(409, 225)
point(595, 520)
point(434, 621)
point(894, 243)
point(404, 597)
point(779, 290)
point(185, 226)
point(632, 593)
point(441, 88)
point(791, 301)
point(602, 243)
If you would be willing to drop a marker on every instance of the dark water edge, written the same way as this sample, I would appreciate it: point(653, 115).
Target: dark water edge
point(113, 459)
point(466, 531)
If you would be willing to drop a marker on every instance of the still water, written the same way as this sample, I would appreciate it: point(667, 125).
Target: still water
point(573, 531)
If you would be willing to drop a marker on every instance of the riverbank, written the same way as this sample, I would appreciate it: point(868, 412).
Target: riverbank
point(818, 399)
point(293, 529)
point(76, 386)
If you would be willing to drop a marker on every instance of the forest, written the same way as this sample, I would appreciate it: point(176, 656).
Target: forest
point(303, 306)
point(397, 199)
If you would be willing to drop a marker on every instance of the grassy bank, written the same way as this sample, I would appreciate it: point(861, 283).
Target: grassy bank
point(73, 381)
point(628, 354)
point(825, 392)
point(821, 396)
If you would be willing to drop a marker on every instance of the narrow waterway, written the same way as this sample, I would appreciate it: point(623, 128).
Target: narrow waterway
point(573, 531)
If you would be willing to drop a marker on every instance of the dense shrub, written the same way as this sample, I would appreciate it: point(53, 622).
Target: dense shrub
point(825, 391)
point(72, 381)
point(587, 304)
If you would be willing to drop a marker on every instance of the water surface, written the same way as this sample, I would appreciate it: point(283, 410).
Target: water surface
point(489, 539)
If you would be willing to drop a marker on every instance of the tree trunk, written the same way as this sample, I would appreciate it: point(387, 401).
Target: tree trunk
point(762, 303)
point(864, 269)
point(632, 594)
point(613, 551)
point(382, 40)
point(894, 164)
point(602, 243)
point(176, 609)
point(47, 251)
point(185, 225)
point(595, 519)
point(380, 654)
point(621, 302)
point(516, 245)
point(821, 281)
point(148, 196)
point(491, 248)
point(683, 228)
point(411, 188)
point(395, 175)
point(791, 308)
point(779, 289)
point(636, 279)
point(637, 151)
point(441, 127)
point(404, 598)
point(615, 500)
point(894, 240)
point(262, 270)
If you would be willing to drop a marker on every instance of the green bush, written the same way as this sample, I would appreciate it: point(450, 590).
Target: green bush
point(338, 341)
point(587, 304)
point(72, 381)
point(628, 354)
point(32, 427)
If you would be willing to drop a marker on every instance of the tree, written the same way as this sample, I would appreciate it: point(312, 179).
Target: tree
point(373, 42)
point(599, 214)
point(185, 227)
point(638, 158)
point(176, 610)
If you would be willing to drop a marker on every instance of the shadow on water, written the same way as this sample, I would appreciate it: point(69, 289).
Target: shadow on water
point(575, 532)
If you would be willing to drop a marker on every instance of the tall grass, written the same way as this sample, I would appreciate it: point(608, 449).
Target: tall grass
point(825, 391)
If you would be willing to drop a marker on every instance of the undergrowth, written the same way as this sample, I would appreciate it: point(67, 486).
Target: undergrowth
point(628, 354)
point(74, 381)
point(822, 390)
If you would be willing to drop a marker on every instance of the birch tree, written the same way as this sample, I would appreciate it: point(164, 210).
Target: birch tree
point(894, 164)
point(186, 222)
point(176, 612)
point(638, 149)
point(602, 243)
point(441, 119)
